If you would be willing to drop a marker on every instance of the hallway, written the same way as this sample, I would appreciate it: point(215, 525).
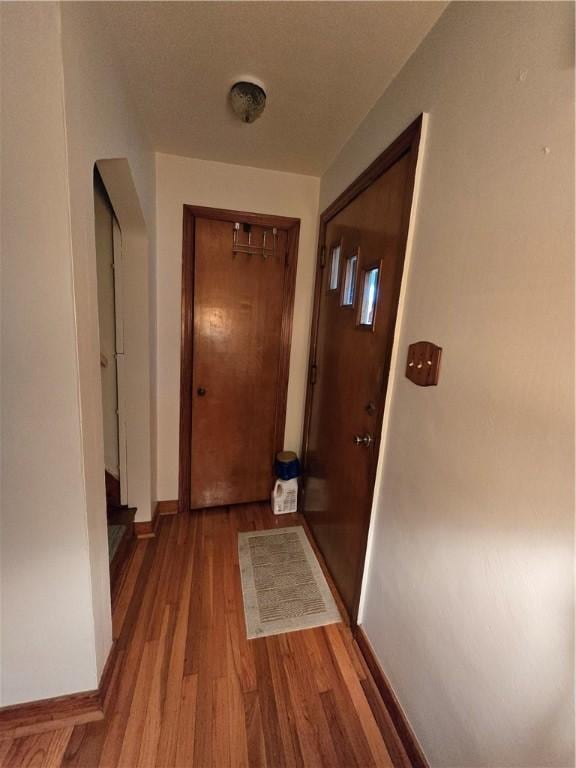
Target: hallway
point(187, 688)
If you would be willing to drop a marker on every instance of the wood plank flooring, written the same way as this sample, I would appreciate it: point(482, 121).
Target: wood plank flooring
point(189, 690)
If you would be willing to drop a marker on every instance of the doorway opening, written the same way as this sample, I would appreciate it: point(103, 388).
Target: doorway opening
point(109, 267)
point(238, 281)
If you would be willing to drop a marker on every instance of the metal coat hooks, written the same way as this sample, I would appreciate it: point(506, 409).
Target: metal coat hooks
point(248, 248)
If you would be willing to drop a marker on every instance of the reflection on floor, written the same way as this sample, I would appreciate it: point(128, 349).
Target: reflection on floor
point(188, 689)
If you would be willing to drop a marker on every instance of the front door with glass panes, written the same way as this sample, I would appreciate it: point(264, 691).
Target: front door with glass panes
point(356, 304)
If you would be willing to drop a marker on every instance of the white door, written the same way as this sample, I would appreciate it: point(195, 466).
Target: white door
point(109, 264)
point(120, 359)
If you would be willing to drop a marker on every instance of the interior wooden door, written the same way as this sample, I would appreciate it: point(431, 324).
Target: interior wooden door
point(364, 238)
point(238, 377)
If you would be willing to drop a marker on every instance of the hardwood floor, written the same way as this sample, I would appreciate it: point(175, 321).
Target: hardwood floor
point(188, 689)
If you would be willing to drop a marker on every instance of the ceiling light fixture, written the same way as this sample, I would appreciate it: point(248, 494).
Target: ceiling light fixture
point(247, 100)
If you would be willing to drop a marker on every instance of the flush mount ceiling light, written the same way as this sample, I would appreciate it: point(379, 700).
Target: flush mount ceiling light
point(247, 100)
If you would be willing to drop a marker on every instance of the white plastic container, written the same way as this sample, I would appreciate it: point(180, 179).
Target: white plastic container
point(285, 496)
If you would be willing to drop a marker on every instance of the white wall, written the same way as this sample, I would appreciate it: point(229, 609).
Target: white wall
point(101, 123)
point(47, 622)
point(468, 599)
point(199, 182)
point(63, 108)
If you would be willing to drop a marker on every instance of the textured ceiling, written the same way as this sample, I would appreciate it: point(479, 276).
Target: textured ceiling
point(324, 65)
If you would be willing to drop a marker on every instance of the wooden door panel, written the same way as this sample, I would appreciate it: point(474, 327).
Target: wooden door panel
point(352, 364)
point(238, 310)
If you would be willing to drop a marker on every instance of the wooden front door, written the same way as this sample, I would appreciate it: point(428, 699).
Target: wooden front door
point(242, 284)
point(358, 284)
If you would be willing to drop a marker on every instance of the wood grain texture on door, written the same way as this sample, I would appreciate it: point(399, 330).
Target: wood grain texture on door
point(237, 316)
point(350, 358)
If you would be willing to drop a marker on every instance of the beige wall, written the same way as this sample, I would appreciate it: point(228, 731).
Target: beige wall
point(100, 123)
point(199, 182)
point(47, 623)
point(468, 597)
point(63, 108)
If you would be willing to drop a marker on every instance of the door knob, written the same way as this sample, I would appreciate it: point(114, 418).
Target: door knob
point(365, 440)
point(201, 391)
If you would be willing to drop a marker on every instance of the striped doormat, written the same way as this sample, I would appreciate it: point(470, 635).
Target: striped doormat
point(283, 585)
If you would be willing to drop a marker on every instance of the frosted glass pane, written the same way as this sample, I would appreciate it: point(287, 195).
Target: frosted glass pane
point(350, 281)
point(334, 268)
point(369, 296)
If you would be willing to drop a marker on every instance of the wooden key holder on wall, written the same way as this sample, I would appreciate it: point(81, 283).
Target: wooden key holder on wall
point(423, 364)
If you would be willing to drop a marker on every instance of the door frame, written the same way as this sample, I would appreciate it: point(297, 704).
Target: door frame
point(407, 141)
point(120, 483)
point(118, 253)
point(292, 227)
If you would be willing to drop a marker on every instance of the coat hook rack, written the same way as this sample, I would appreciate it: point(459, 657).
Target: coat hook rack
point(248, 248)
